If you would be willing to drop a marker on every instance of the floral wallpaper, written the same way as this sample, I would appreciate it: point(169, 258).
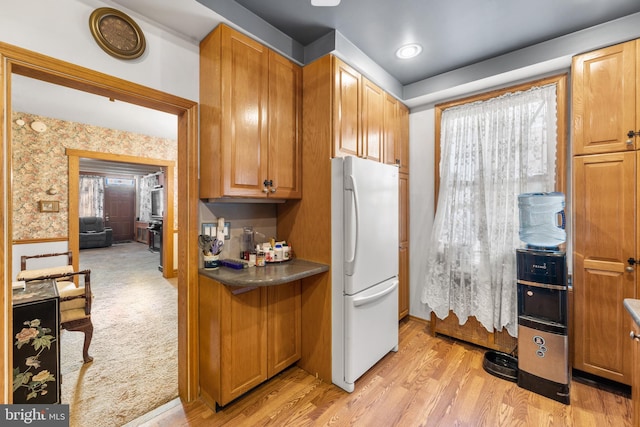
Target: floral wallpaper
point(39, 163)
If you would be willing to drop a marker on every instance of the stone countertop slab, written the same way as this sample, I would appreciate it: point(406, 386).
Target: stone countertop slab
point(633, 307)
point(269, 275)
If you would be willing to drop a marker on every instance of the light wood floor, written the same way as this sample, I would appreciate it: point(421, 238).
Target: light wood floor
point(430, 381)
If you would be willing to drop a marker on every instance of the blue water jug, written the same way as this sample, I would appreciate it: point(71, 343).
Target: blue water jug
point(542, 219)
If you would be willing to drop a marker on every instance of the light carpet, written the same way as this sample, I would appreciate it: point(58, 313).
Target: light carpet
point(135, 340)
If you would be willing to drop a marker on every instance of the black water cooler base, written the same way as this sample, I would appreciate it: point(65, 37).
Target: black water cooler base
point(547, 388)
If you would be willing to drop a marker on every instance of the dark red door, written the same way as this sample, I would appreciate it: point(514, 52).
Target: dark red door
point(119, 209)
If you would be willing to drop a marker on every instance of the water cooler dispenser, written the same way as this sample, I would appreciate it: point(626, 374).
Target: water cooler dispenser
point(543, 342)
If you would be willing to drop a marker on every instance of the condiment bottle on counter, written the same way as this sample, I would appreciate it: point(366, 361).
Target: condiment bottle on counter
point(268, 255)
point(278, 253)
point(260, 262)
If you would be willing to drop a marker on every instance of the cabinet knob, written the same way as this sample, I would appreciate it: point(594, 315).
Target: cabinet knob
point(267, 183)
point(633, 336)
point(629, 269)
point(273, 189)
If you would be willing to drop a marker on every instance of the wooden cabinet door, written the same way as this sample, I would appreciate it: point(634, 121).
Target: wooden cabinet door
point(284, 326)
point(285, 115)
point(402, 143)
point(42, 349)
point(244, 133)
point(346, 108)
point(604, 97)
point(403, 277)
point(372, 120)
point(403, 236)
point(391, 130)
point(403, 207)
point(604, 204)
point(243, 340)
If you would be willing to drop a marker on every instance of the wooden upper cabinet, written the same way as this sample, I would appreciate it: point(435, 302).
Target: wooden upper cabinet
point(372, 120)
point(402, 142)
point(285, 118)
point(396, 133)
point(346, 110)
point(604, 100)
point(250, 116)
point(245, 84)
point(391, 129)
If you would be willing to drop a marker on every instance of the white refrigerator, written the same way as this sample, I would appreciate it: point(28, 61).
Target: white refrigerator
point(364, 264)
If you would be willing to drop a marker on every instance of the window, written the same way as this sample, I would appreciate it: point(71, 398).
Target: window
point(491, 148)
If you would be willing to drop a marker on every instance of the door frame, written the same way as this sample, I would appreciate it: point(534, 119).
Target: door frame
point(74, 209)
point(31, 64)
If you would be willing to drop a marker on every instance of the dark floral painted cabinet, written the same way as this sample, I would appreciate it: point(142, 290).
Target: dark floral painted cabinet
point(36, 355)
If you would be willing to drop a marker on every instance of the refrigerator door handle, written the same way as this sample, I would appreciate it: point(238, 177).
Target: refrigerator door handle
point(350, 263)
point(357, 302)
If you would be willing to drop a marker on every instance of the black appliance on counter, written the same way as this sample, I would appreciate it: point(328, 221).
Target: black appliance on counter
point(155, 239)
point(543, 342)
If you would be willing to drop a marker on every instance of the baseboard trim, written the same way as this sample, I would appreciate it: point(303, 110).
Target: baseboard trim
point(152, 414)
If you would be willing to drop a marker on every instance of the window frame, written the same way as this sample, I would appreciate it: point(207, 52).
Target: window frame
point(562, 114)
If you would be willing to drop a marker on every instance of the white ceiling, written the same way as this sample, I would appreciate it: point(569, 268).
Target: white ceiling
point(454, 33)
point(41, 98)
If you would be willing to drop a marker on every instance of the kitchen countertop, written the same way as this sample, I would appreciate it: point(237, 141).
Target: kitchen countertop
point(633, 307)
point(269, 275)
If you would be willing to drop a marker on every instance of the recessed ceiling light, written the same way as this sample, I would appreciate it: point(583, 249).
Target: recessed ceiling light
point(325, 2)
point(409, 51)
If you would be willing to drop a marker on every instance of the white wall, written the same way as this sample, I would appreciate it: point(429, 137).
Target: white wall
point(421, 200)
point(38, 248)
point(170, 64)
point(61, 29)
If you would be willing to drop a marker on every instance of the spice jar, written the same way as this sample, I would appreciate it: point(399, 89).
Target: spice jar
point(260, 261)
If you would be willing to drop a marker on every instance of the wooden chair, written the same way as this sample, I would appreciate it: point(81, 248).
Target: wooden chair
point(75, 300)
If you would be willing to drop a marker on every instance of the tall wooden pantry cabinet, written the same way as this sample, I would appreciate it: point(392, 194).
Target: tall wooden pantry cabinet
point(605, 204)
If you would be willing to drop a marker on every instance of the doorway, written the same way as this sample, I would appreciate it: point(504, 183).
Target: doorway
point(30, 64)
point(169, 267)
point(119, 208)
point(131, 293)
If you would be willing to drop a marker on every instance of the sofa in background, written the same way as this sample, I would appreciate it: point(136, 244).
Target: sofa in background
point(93, 233)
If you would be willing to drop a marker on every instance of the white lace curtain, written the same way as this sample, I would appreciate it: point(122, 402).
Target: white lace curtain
point(91, 196)
point(491, 151)
point(146, 184)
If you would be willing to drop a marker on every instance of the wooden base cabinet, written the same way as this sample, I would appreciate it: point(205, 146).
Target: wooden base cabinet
point(247, 335)
point(142, 232)
point(283, 327)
